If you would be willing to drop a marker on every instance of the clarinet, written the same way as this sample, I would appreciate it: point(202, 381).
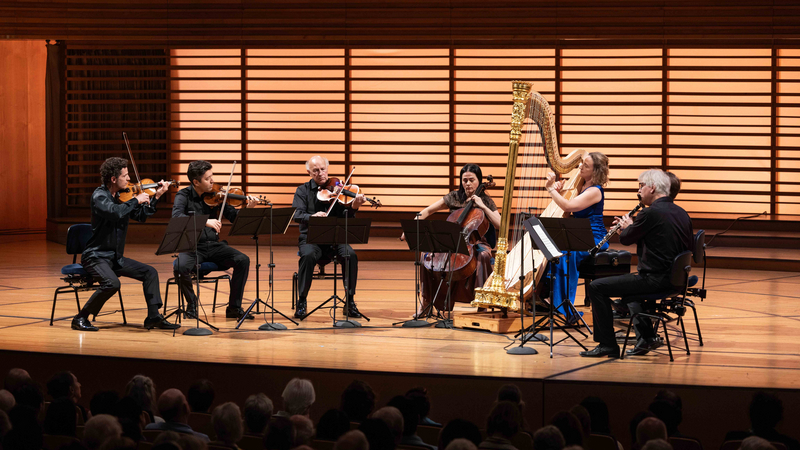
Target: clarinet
point(614, 229)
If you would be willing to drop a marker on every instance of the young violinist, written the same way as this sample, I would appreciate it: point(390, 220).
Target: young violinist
point(309, 205)
point(209, 247)
point(103, 256)
point(464, 290)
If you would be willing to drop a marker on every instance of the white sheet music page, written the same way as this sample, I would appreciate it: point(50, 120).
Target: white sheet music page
point(551, 247)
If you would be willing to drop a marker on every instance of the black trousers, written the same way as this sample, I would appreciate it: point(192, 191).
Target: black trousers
point(224, 256)
point(600, 292)
point(311, 253)
point(107, 276)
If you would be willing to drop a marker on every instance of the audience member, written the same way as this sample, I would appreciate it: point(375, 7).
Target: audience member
point(29, 393)
point(99, 429)
point(103, 402)
point(332, 425)
point(66, 385)
point(143, 390)
point(459, 429)
point(756, 443)
point(298, 396)
point(191, 442)
point(512, 393)
point(5, 426)
point(200, 396)
point(15, 378)
point(25, 433)
point(586, 422)
point(6, 400)
point(766, 411)
point(570, 428)
point(657, 444)
point(280, 435)
point(598, 415)
point(352, 440)
point(303, 430)
point(61, 418)
point(358, 401)
point(503, 423)
point(257, 412)
point(419, 395)
point(378, 434)
point(168, 440)
point(408, 409)
point(393, 418)
point(648, 429)
point(119, 443)
point(548, 438)
point(131, 418)
point(175, 410)
point(461, 444)
point(635, 421)
point(227, 421)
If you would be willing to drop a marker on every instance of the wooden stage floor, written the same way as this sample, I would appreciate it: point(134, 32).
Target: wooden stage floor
point(750, 324)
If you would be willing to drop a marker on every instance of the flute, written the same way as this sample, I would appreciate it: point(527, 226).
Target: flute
point(615, 228)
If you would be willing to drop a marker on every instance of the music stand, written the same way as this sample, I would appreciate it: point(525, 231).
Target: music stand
point(255, 222)
point(334, 231)
point(180, 237)
point(431, 236)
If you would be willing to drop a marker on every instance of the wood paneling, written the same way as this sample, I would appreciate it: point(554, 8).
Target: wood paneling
point(22, 135)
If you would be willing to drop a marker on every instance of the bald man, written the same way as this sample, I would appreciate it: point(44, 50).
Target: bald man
point(174, 410)
point(307, 204)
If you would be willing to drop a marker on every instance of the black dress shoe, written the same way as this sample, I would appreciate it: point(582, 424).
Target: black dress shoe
point(159, 322)
point(602, 350)
point(350, 310)
point(643, 347)
point(300, 310)
point(237, 313)
point(82, 324)
point(191, 311)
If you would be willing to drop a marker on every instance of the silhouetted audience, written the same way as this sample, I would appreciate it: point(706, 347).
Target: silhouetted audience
point(25, 430)
point(756, 443)
point(143, 390)
point(586, 422)
point(14, 378)
point(548, 438)
point(419, 395)
point(503, 423)
point(378, 434)
point(61, 418)
point(648, 429)
point(119, 443)
point(103, 402)
point(569, 426)
point(131, 418)
point(175, 411)
point(6, 400)
point(358, 400)
point(634, 423)
point(257, 412)
point(227, 421)
point(512, 393)
point(332, 425)
point(200, 396)
point(408, 409)
point(766, 411)
point(279, 435)
point(352, 440)
point(461, 444)
point(459, 429)
point(303, 430)
point(298, 396)
point(657, 444)
point(99, 429)
point(66, 385)
point(393, 418)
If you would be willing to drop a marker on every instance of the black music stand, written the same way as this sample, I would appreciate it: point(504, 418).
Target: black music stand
point(432, 236)
point(181, 236)
point(335, 231)
point(521, 349)
point(255, 222)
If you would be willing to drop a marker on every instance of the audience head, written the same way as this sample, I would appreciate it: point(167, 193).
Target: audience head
point(129, 414)
point(461, 444)
point(358, 400)
point(173, 406)
point(143, 390)
point(303, 430)
point(569, 426)
point(583, 416)
point(650, 428)
point(636, 420)
point(257, 412)
point(200, 395)
point(29, 393)
point(99, 429)
point(504, 420)
point(120, 443)
point(332, 425)
point(227, 422)
point(298, 397)
point(510, 393)
point(657, 444)
point(61, 418)
point(674, 185)
point(6, 400)
point(756, 443)
point(352, 440)
point(409, 412)
point(548, 438)
point(103, 402)
point(5, 425)
point(191, 442)
point(280, 435)
point(766, 411)
point(25, 429)
point(378, 434)
point(459, 429)
point(64, 385)
point(668, 413)
point(167, 440)
point(419, 397)
point(15, 378)
point(598, 414)
point(394, 419)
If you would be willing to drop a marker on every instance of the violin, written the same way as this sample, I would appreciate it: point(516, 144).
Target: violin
point(147, 186)
point(236, 197)
point(333, 188)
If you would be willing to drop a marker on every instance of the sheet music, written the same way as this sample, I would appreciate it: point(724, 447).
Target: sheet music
point(546, 240)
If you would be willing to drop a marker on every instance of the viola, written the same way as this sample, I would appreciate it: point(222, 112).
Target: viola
point(236, 197)
point(334, 186)
point(147, 186)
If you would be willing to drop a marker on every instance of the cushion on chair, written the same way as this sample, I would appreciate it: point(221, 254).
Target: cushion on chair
point(693, 280)
point(74, 269)
point(606, 264)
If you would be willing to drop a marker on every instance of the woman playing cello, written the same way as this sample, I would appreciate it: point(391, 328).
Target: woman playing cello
point(463, 290)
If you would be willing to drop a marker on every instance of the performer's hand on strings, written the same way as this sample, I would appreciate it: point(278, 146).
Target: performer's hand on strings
point(215, 224)
point(478, 202)
point(359, 200)
point(251, 201)
point(163, 187)
point(551, 184)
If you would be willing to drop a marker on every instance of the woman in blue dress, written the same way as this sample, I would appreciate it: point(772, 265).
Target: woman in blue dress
point(587, 204)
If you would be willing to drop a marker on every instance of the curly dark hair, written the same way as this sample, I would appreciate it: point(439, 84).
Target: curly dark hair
point(197, 169)
point(112, 168)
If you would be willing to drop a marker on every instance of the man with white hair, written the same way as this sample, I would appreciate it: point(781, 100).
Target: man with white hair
point(298, 396)
point(661, 232)
point(308, 205)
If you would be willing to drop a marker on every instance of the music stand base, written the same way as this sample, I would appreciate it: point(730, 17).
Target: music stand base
point(446, 323)
point(538, 337)
point(272, 327)
point(416, 324)
point(522, 351)
point(346, 324)
point(198, 332)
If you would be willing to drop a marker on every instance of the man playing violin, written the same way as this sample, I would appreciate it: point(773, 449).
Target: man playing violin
point(307, 204)
point(103, 254)
point(209, 247)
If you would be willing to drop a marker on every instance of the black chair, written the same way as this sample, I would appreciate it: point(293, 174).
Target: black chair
point(699, 257)
point(320, 275)
point(660, 305)
point(76, 277)
point(205, 269)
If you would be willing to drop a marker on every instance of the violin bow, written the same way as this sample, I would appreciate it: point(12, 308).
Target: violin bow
point(225, 199)
point(330, 208)
point(133, 163)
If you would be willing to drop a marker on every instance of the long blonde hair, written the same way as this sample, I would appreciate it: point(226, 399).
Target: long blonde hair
point(600, 170)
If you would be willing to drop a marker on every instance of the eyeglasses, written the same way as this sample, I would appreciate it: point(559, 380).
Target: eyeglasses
point(641, 185)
